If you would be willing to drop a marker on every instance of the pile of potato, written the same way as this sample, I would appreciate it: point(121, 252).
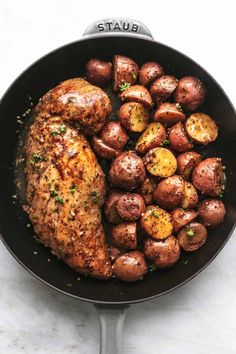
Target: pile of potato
point(155, 203)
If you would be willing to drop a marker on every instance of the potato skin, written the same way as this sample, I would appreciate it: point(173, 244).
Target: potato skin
point(190, 196)
point(186, 163)
point(182, 217)
point(178, 138)
point(190, 93)
point(137, 93)
point(115, 252)
point(149, 72)
point(125, 235)
point(130, 267)
point(169, 192)
point(208, 177)
point(103, 150)
point(152, 137)
point(110, 206)
point(125, 70)
point(98, 72)
point(156, 222)
point(127, 170)
point(163, 254)
point(114, 135)
point(162, 88)
point(133, 116)
point(160, 162)
point(196, 239)
point(201, 128)
point(169, 113)
point(211, 212)
point(147, 188)
point(130, 206)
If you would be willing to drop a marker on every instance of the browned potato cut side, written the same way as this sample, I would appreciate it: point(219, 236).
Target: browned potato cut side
point(169, 113)
point(182, 217)
point(156, 222)
point(201, 128)
point(147, 188)
point(190, 196)
point(160, 162)
point(137, 93)
point(192, 236)
point(125, 72)
point(169, 192)
point(178, 138)
point(131, 266)
point(133, 116)
point(152, 137)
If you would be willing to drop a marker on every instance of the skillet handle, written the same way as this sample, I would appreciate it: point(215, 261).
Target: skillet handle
point(112, 26)
point(111, 320)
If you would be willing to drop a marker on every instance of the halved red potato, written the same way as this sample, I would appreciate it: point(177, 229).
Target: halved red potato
point(190, 196)
point(114, 135)
point(98, 72)
point(133, 116)
point(156, 222)
point(169, 192)
point(178, 138)
point(211, 212)
point(124, 235)
point(169, 113)
point(162, 88)
point(186, 163)
point(130, 266)
point(125, 71)
point(190, 93)
point(181, 217)
point(192, 236)
point(147, 188)
point(160, 162)
point(137, 93)
point(152, 137)
point(103, 150)
point(201, 128)
point(149, 72)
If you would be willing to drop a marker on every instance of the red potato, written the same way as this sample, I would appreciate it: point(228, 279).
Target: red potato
point(169, 192)
point(133, 116)
point(182, 217)
point(190, 93)
point(115, 252)
point(125, 235)
point(208, 177)
point(137, 93)
point(164, 253)
point(190, 196)
point(125, 71)
point(156, 222)
point(152, 137)
point(110, 206)
point(147, 188)
point(178, 138)
point(186, 163)
point(201, 128)
point(98, 72)
point(127, 171)
point(103, 150)
point(169, 113)
point(211, 212)
point(149, 72)
point(160, 162)
point(114, 135)
point(162, 88)
point(192, 236)
point(130, 206)
point(130, 267)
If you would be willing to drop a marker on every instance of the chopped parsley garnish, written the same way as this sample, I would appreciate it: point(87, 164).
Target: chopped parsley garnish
point(190, 233)
point(124, 86)
point(53, 193)
point(165, 142)
point(59, 200)
point(54, 132)
point(153, 213)
point(152, 267)
point(221, 195)
point(37, 158)
point(62, 128)
point(95, 197)
point(73, 189)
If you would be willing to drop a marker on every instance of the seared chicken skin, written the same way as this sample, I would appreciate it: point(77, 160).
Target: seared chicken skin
point(66, 185)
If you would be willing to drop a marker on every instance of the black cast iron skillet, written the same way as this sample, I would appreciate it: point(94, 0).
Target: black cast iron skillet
point(103, 39)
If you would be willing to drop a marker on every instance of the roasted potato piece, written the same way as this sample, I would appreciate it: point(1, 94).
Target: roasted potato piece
point(110, 206)
point(162, 88)
point(156, 222)
point(182, 217)
point(125, 71)
point(211, 212)
point(114, 135)
point(130, 266)
point(190, 196)
point(160, 162)
point(178, 138)
point(115, 252)
point(137, 93)
point(130, 206)
point(127, 170)
point(192, 236)
point(147, 188)
point(98, 72)
point(133, 116)
point(151, 138)
point(125, 235)
point(149, 72)
point(103, 150)
point(186, 163)
point(169, 192)
point(208, 177)
point(163, 253)
point(201, 128)
point(190, 93)
point(169, 113)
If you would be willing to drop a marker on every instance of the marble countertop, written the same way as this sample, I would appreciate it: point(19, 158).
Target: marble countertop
point(198, 318)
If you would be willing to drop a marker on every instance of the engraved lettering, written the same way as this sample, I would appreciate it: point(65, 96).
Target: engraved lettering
point(134, 28)
point(117, 26)
point(109, 25)
point(101, 27)
point(125, 26)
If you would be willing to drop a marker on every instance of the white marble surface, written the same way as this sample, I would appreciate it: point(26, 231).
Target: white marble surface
point(198, 318)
